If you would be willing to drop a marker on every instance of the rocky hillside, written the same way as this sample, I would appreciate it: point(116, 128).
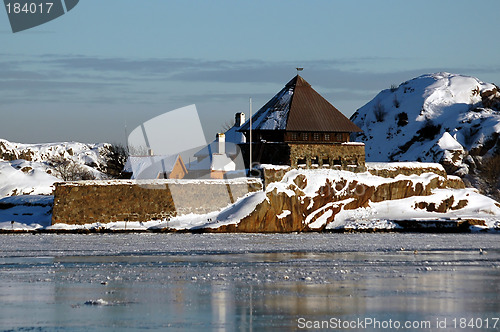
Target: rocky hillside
point(442, 117)
point(84, 154)
point(33, 168)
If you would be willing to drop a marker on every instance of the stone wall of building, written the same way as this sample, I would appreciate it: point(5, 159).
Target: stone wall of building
point(347, 156)
point(86, 202)
point(344, 155)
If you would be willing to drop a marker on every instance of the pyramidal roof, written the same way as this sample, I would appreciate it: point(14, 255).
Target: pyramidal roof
point(298, 107)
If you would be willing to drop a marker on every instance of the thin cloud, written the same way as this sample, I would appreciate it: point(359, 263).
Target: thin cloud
point(157, 80)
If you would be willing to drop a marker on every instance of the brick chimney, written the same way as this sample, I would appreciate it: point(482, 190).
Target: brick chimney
point(220, 138)
point(239, 119)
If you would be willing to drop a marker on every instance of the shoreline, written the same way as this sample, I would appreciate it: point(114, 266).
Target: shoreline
point(406, 226)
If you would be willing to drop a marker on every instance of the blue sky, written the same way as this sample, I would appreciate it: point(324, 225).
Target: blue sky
point(108, 63)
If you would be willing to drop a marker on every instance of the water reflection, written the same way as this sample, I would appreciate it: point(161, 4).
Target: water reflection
point(248, 291)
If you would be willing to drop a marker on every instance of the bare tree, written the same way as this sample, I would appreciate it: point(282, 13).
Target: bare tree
point(396, 102)
point(116, 157)
point(138, 150)
point(379, 111)
point(68, 170)
point(227, 125)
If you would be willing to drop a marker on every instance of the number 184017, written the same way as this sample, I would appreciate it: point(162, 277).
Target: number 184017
point(476, 323)
point(29, 8)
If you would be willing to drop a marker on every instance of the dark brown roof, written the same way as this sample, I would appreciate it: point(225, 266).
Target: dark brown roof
point(309, 111)
point(298, 107)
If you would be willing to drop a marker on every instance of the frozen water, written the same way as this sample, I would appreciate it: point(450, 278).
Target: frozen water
point(242, 281)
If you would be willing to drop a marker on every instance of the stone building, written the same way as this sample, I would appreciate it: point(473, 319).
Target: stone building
point(298, 127)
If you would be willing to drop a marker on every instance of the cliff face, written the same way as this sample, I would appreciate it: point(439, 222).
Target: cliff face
point(318, 199)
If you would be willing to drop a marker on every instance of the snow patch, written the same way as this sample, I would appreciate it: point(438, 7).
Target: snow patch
point(284, 214)
point(447, 142)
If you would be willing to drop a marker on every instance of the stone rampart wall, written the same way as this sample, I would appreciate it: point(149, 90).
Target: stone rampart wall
point(86, 202)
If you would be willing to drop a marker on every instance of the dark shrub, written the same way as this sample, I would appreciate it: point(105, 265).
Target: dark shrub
point(402, 119)
point(429, 130)
point(379, 111)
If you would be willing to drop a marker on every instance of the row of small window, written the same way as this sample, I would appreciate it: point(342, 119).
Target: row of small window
point(315, 161)
point(315, 136)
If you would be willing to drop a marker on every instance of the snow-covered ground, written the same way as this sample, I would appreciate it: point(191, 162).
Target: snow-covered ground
point(21, 177)
point(27, 177)
point(381, 215)
point(26, 212)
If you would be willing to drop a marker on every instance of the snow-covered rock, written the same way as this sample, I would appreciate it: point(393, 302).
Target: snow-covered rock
point(330, 199)
point(321, 199)
point(81, 153)
point(25, 169)
point(439, 117)
point(20, 177)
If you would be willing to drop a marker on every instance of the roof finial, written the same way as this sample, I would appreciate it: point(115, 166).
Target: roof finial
point(299, 69)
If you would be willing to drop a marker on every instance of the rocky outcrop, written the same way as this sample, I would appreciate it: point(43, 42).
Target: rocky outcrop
point(9, 153)
point(445, 206)
point(74, 151)
point(295, 204)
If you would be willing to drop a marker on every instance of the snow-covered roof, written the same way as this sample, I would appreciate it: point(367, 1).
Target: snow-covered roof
point(298, 107)
point(201, 165)
point(214, 162)
point(273, 115)
point(221, 162)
